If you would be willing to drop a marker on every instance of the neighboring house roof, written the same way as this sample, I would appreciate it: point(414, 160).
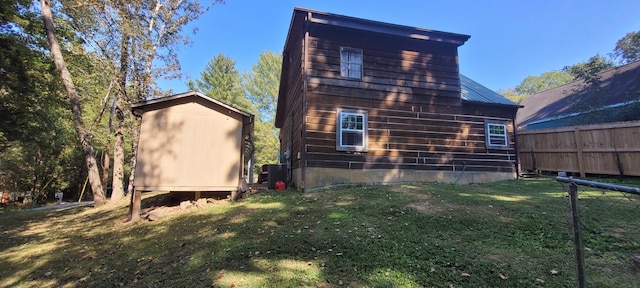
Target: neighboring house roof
point(473, 91)
point(612, 99)
point(138, 107)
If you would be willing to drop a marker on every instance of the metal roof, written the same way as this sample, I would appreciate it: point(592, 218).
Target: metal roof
point(473, 91)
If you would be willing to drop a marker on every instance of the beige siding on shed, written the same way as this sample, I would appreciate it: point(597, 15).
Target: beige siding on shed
point(189, 147)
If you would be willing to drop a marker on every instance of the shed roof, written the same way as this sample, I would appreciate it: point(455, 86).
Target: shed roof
point(616, 87)
point(473, 91)
point(136, 108)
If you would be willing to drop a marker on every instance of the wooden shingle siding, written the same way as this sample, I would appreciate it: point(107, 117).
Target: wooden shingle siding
point(290, 135)
point(391, 72)
point(406, 139)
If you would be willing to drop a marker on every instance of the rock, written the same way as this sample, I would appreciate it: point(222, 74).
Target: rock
point(184, 205)
point(158, 213)
point(201, 203)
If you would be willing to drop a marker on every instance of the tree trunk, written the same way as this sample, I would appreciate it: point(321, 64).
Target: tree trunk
point(74, 101)
point(106, 162)
point(118, 147)
point(135, 130)
point(118, 158)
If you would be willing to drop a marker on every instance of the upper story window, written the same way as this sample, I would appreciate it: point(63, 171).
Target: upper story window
point(351, 130)
point(496, 135)
point(351, 62)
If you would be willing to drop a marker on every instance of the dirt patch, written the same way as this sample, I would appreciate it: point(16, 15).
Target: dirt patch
point(434, 209)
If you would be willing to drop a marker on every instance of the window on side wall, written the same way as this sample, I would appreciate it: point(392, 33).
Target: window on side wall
point(351, 62)
point(496, 135)
point(351, 130)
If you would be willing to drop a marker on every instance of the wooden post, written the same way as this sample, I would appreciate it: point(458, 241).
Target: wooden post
point(135, 205)
point(579, 152)
point(577, 243)
point(198, 195)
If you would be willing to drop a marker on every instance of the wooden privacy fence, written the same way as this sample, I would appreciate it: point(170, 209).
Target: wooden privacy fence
point(608, 149)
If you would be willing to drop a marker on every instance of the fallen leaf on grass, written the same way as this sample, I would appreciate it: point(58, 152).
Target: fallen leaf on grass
point(554, 272)
point(465, 275)
point(503, 277)
point(540, 281)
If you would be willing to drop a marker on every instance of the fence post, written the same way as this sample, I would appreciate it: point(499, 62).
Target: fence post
point(579, 154)
point(577, 243)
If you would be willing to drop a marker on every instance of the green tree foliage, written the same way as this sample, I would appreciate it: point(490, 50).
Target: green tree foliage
point(221, 80)
point(627, 49)
point(262, 87)
point(512, 95)
point(536, 84)
point(588, 70)
point(263, 82)
point(139, 39)
point(37, 142)
point(74, 100)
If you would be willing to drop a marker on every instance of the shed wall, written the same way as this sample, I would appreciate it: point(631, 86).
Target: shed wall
point(189, 147)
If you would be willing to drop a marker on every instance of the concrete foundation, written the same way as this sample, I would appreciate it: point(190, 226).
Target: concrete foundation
point(319, 178)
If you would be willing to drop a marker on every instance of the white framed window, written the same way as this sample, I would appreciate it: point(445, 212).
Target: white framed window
point(351, 62)
point(496, 135)
point(351, 130)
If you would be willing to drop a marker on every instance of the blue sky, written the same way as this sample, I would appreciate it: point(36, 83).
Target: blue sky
point(510, 39)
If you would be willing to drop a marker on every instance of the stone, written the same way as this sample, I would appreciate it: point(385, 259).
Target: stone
point(201, 203)
point(184, 205)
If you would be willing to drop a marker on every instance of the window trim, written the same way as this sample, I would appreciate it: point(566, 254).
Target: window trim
point(339, 130)
point(489, 135)
point(346, 62)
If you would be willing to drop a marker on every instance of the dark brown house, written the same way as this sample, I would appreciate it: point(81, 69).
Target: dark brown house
point(362, 101)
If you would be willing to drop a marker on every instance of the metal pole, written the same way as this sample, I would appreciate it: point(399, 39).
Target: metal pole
point(625, 189)
point(577, 243)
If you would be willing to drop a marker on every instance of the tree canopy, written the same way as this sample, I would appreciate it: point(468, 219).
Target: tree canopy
point(588, 70)
point(262, 83)
point(262, 89)
point(221, 80)
point(535, 84)
point(627, 49)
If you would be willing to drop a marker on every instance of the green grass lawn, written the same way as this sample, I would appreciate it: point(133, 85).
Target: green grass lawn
point(505, 234)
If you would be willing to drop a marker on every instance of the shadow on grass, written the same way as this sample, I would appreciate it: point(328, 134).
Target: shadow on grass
point(512, 234)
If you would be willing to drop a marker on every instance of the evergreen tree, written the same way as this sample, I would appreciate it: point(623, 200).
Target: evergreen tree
point(221, 80)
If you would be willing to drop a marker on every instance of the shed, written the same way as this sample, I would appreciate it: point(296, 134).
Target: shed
point(190, 142)
point(362, 101)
